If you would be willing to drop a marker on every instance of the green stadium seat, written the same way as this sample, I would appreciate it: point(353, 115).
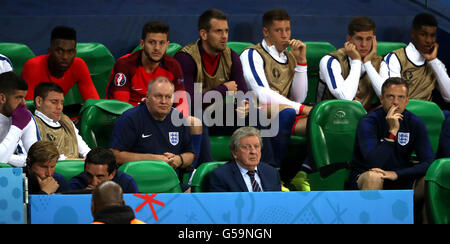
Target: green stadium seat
point(98, 117)
point(73, 97)
point(30, 105)
point(152, 176)
point(314, 53)
point(171, 50)
point(219, 148)
point(384, 48)
point(432, 116)
point(331, 134)
point(100, 62)
point(73, 102)
point(437, 192)
point(69, 168)
point(239, 47)
point(200, 179)
point(18, 53)
point(3, 165)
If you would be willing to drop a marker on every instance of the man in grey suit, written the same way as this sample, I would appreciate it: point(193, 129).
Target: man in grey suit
point(245, 173)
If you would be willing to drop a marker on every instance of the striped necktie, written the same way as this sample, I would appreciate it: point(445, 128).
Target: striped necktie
point(255, 185)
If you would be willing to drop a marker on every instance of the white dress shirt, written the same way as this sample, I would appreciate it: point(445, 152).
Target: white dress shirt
point(331, 73)
point(5, 64)
point(246, 177)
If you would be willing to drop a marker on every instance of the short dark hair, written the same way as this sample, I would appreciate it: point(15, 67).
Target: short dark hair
point(394, 81)
point(10, 82)
point(424, 19)
point(42, 152)
point(274, 14)
point(361, 23)
point(155, 27)
point(101, 156)
point(204, 21)
point(44, 88)
point(106, 194)
point(63, 32)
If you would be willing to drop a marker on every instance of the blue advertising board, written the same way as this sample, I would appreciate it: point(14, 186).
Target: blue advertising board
point(11, 196)
point(315, 207)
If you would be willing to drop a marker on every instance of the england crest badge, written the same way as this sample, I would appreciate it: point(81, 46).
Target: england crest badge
point(174, 138)
point(403, 138)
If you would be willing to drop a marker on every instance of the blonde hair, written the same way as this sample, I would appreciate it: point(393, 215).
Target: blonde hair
point(41, 152)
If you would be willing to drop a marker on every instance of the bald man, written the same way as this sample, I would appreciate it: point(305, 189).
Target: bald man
point(108, 206)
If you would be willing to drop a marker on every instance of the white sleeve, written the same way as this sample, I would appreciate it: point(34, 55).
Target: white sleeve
point(299, 88)
point(330, 72)
point(9, 144)
point(255, 77)
point(18, 161)
point(30, 134)
point(390, 67)
point(375, 78)
point(5, 64)
point(442, 77)
point(83, 148)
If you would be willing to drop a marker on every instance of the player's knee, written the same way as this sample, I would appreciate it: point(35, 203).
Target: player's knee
point(370, 180)
point(288, 114)
point(287, 118)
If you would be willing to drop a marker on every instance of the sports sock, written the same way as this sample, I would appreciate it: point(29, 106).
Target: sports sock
point(280, 143)
point(306, 166)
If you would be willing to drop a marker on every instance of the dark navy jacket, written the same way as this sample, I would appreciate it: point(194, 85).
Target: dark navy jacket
point(35, 188)
point(138, 132)
point(125, 181)
point(373, 151)
point(228, 178)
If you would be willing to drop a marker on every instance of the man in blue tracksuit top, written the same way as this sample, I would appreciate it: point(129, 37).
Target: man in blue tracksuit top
point(100, 166)
point(385, 139)
point(154, 131)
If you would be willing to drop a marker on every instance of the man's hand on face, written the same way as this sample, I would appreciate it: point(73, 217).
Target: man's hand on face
point(350, 50)
point(372, 52)
point(433, 54)
point(90, 187)
point(48, 185)
point(298, 48)
point(20, 117)
point(393, 118)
